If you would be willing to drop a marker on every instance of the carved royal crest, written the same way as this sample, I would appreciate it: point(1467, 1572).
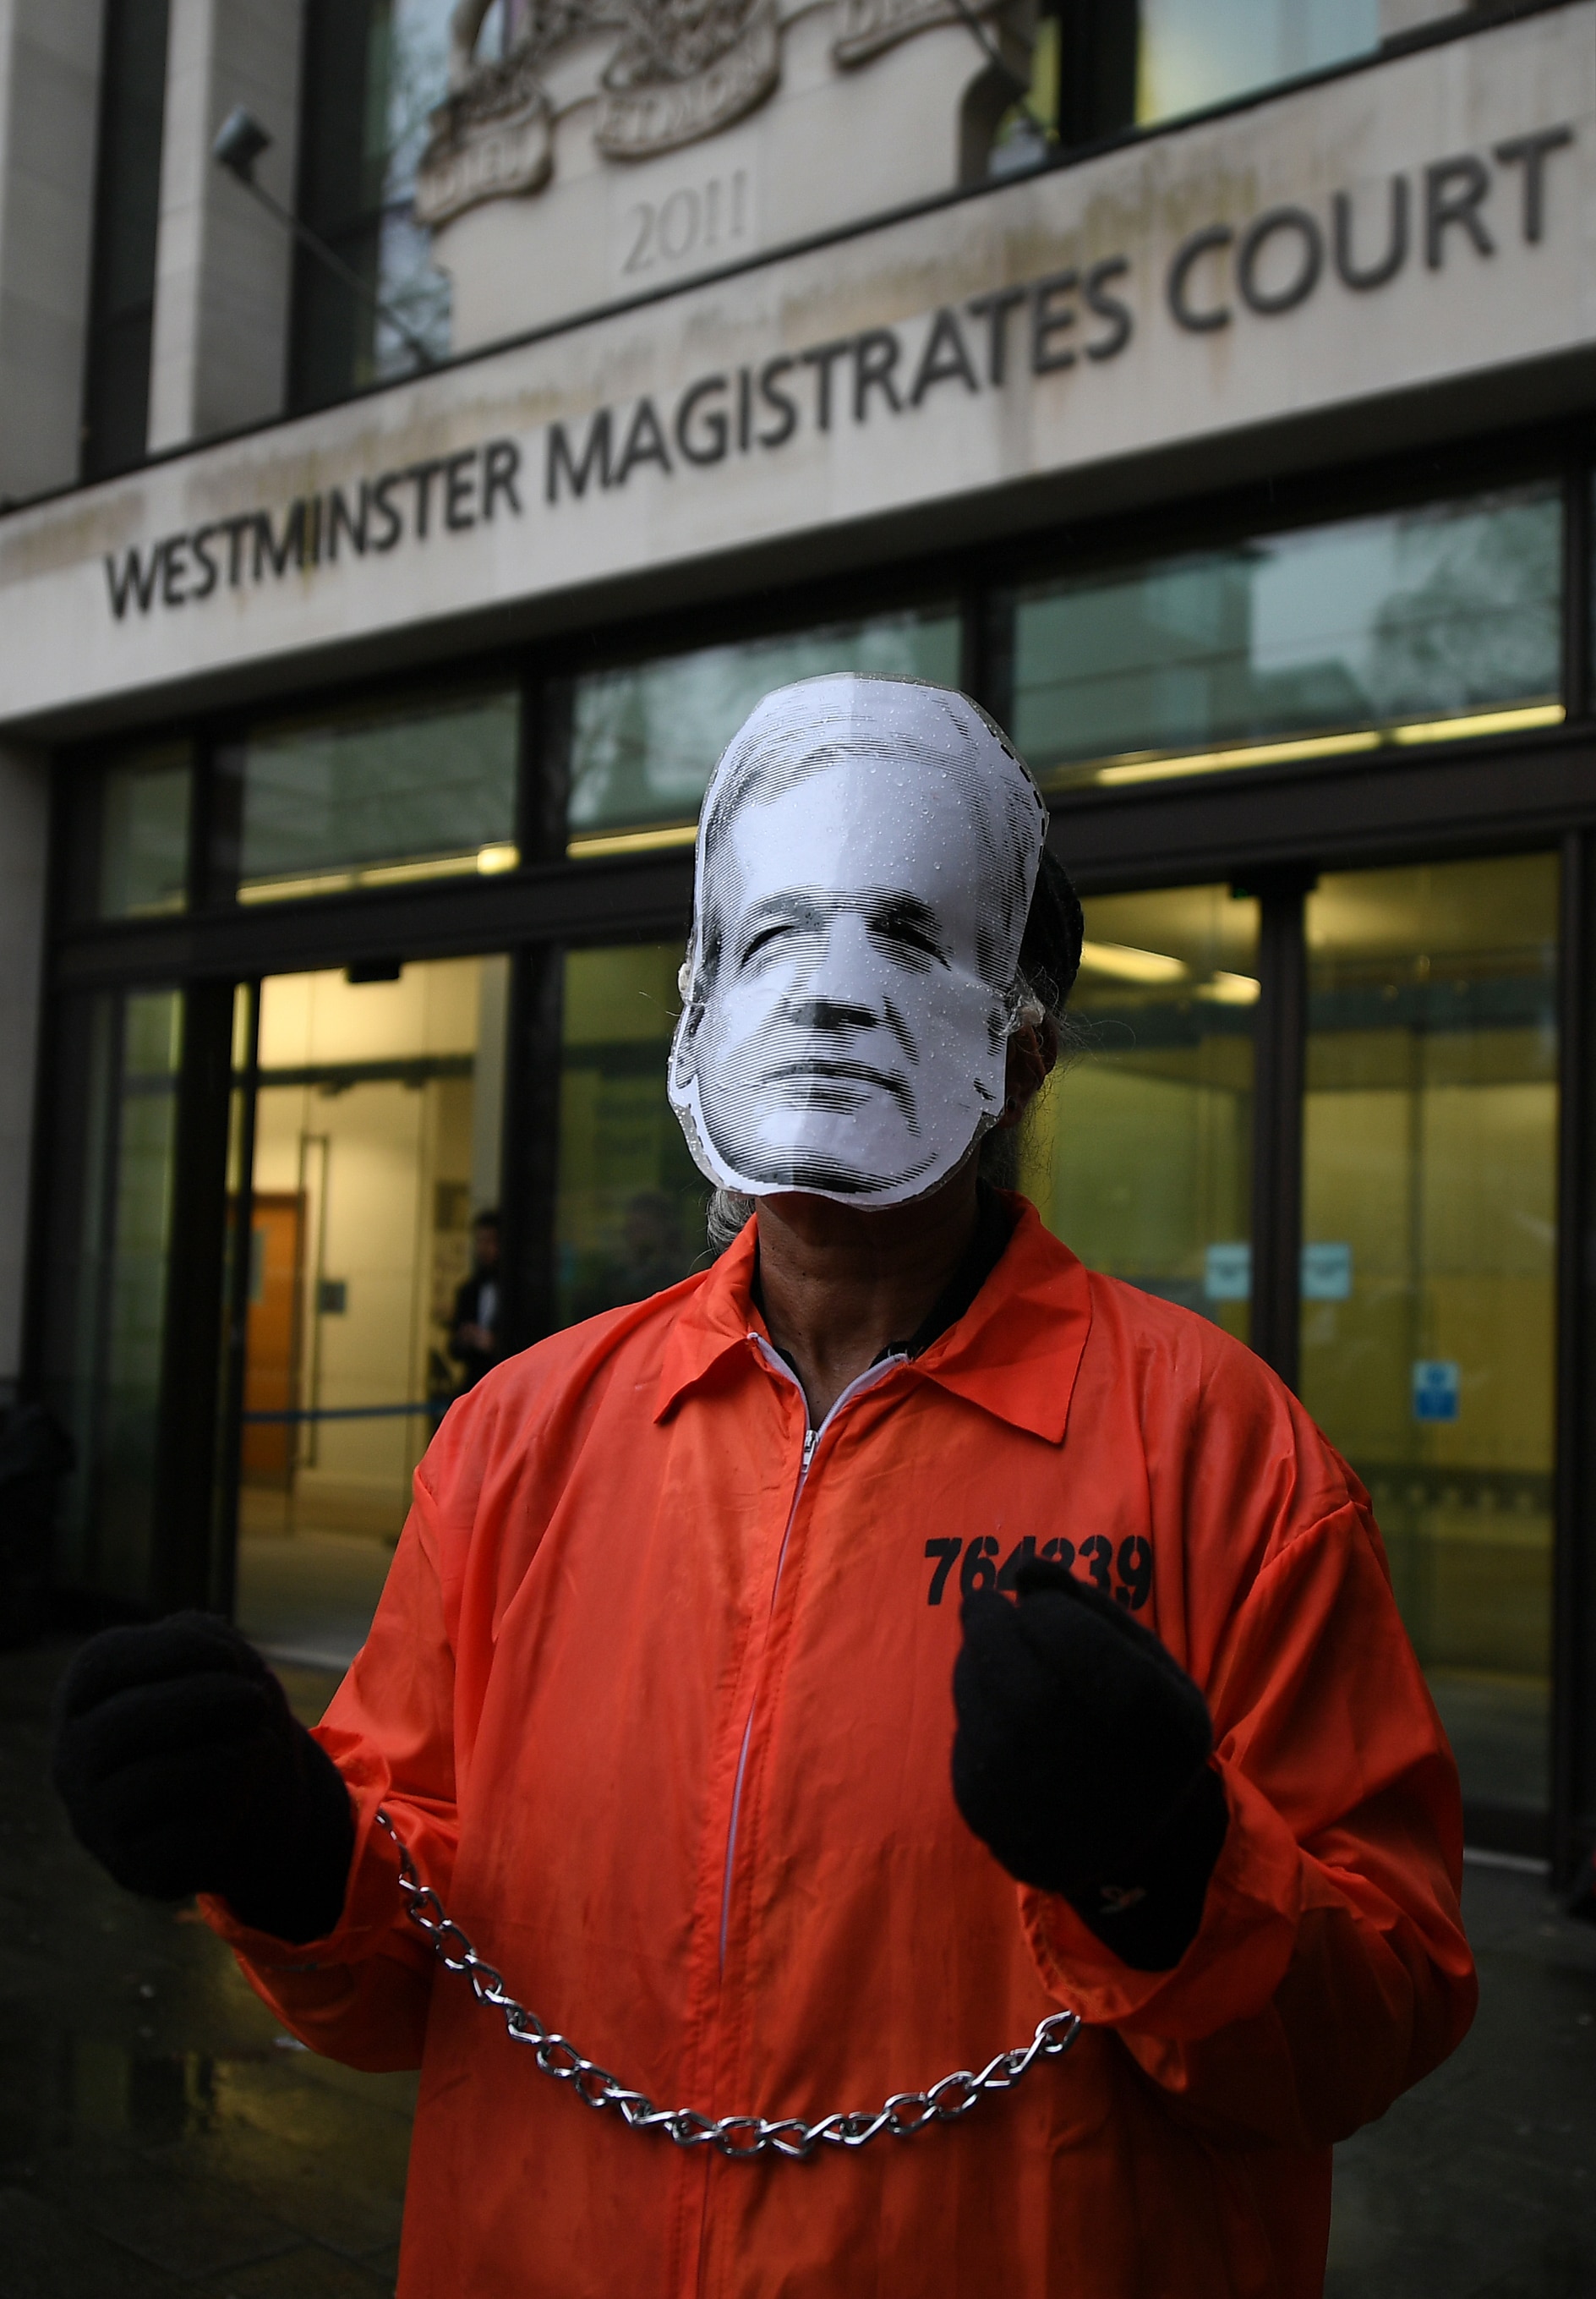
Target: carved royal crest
point(686, 69)
point(679, 71)
point(865, 26)
point(492, 136)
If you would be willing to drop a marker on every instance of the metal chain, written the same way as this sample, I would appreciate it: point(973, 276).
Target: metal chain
point(743, 2138)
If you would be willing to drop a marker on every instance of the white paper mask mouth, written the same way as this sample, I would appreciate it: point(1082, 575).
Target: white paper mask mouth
point(867, 856)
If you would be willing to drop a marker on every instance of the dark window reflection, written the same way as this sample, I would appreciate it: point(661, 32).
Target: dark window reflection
point(630, 1211)
point(105, 1312)
point(1413, 626)
point(645, 737)
point(116, 399)
point(424, 788)
point(373, 72)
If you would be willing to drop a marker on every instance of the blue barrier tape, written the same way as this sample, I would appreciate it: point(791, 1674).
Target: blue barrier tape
point(432, 1410)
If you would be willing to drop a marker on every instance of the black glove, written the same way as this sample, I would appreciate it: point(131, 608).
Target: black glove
point(1081, 1759)
point(183, 1771)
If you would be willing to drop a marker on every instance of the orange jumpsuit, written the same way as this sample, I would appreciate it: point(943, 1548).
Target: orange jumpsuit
point(666, 1716)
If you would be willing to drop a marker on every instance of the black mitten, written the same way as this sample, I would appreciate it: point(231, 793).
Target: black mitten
point(1081, 1759)
point(183, 1771)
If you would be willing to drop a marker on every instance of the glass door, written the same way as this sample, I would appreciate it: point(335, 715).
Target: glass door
point(628, 1209)
point(1428, 1299)
point(373, 1284)
point(106, 1308)
point(1140, 1154)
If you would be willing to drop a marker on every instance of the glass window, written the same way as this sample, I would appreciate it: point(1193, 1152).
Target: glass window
point(373, 1294)
point(121, 301)
point(143, 811)
point(374, 70)
point(1028, 130)
point(1407, 627)
point(1130, 64)
point(1195, 53)
point(1427, 1321)
point(1140, 1154)
point(629, 1217)
point(105, 1307)
point(645, 740)
point(362, 798)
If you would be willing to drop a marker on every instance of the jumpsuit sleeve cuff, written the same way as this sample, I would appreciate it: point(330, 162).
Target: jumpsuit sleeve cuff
point(1233, 1966)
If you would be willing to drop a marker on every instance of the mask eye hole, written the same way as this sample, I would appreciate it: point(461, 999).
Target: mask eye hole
point(903, 930)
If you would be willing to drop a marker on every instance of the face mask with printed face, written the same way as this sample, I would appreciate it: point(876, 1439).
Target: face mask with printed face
point(866, 855)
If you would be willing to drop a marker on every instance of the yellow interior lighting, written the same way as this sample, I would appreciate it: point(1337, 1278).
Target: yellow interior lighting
point(1250, 754)
point(1481, 722)
point(1121, 963)
point(377, 874)
point(632, 841)
point(1328, 746)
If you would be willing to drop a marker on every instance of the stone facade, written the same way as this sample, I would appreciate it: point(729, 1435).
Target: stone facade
point(222, 265)
point(1415, 248)
point(590, 174)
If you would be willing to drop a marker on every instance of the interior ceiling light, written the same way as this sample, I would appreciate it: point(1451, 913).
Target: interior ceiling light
point(1229, 989)
point(1480, 722)
point(1121, 963)
point(1456, 729)
point(633, 841)
point(1250, 754)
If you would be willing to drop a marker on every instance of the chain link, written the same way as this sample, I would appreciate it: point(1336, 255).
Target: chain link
point(743, 2138)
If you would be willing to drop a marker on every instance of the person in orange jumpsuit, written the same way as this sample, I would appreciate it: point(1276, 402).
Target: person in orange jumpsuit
point(812, 1683)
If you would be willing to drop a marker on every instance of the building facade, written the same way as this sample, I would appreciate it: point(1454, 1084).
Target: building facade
point(1206, 386)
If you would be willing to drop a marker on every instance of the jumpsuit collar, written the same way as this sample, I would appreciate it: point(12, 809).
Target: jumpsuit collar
point(994, 1227)
point(1013, 1351)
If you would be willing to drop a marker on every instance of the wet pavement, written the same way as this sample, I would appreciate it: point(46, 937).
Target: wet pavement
point(159, 2134)
point(1482, 2182)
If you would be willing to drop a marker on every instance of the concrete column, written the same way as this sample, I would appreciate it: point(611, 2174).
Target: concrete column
point(24, 787)
point(222, 265)
point(49, 105)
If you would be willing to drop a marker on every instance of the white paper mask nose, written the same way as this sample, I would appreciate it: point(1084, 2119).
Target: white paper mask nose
point(867, 856)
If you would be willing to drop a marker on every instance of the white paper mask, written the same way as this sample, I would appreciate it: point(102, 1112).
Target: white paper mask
point(866, 855)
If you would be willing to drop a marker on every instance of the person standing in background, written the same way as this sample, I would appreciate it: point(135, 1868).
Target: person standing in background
point(471, 1339)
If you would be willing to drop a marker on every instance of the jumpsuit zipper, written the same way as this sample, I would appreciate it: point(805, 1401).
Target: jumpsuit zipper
point(812, 1437)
